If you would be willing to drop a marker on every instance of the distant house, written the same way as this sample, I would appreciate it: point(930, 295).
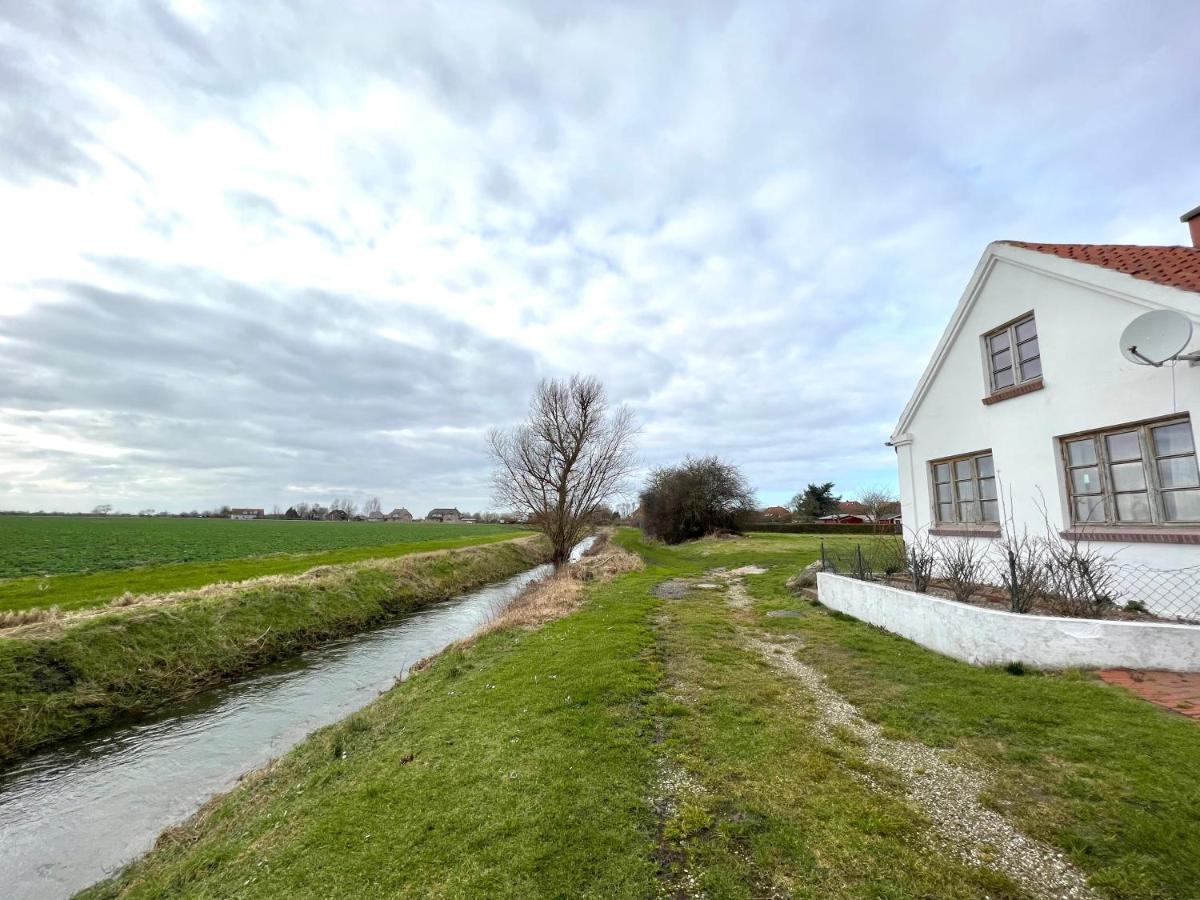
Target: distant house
point(318, 512)
point(845, 519)
point(245, 513)
point(375, 516)
point(337, 515)
point(443, 515)
point(777, 513)
point(399, 514)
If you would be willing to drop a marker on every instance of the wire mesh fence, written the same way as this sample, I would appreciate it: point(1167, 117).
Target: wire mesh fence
point(1172, 594)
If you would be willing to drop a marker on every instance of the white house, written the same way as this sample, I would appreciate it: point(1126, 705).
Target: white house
point(1029, 413)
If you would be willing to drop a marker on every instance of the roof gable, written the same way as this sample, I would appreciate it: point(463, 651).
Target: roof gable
point(1103, 278)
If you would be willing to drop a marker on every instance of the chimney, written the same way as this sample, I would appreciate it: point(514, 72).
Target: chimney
point(1193, 221)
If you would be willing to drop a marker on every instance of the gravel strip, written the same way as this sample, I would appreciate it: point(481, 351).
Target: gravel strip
point(947, 793)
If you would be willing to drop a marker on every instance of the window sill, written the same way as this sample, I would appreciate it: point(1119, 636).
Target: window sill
point(1134, 535)
point(979, 531)
point(1016, 390)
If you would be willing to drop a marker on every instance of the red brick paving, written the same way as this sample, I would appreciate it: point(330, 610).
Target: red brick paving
point(1176, 691)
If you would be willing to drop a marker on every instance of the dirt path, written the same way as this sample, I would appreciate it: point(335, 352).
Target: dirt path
point(946, 792)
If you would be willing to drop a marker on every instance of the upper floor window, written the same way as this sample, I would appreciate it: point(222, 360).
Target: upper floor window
point(1013, 353)
point(1142, 474)
point(964, 489)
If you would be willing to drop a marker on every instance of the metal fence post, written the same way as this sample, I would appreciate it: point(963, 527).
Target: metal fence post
point(862, 570)
point(1014, 589)
point(824, 564)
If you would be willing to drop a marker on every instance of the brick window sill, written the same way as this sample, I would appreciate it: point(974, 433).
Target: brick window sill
point(1017, 390)
point(978, 531)
point(1134, 535)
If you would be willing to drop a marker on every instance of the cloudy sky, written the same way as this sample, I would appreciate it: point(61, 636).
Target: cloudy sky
point(261, 252)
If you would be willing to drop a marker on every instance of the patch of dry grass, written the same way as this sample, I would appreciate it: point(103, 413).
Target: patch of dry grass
point(16, 617)
point(562, 593)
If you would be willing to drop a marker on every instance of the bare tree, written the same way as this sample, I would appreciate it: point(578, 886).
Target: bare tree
point(571, 455)
point(102, 510)
point(373, 506)
point(877, 503)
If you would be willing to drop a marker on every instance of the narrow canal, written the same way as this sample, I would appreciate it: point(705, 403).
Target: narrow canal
point(80, 811)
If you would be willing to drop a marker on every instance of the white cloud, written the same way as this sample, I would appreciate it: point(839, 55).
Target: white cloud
point(269, 248)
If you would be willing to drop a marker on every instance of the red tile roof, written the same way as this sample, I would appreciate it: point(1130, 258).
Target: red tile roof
point(1177, 267)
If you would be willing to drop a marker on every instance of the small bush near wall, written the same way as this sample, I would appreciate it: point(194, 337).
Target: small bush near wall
point(812, 528)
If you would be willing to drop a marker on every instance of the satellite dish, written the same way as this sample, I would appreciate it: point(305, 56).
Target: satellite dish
point(1155, 337)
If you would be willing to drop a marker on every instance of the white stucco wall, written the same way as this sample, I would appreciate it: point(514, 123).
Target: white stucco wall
point(990, 637)
point(1088, 385)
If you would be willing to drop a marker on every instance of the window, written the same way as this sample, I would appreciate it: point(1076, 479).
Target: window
point(1137, 474)
point(964, 489)
point(1013, 354)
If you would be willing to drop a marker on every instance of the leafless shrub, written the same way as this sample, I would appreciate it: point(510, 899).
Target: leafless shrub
point(920, 559)
point(1024, 568)
point(1081, 581)
point(961, 565)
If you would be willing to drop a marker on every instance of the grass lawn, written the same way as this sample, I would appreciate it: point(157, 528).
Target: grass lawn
point(639, 748)
point(76, 592)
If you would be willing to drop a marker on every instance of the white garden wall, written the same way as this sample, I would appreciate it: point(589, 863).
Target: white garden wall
point(992, 637)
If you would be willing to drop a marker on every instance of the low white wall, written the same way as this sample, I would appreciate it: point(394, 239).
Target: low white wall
point(992, 637)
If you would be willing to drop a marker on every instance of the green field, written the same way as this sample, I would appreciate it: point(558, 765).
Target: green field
point(73, 562)
point(641, 747)
point(57, 545)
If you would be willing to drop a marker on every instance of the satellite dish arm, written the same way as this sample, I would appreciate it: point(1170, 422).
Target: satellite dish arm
point(1133, 351)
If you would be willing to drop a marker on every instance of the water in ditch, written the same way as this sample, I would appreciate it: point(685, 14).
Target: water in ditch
point(79, 812)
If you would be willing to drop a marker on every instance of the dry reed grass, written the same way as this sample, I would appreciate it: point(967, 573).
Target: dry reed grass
point(562, 593)
point(17, 617)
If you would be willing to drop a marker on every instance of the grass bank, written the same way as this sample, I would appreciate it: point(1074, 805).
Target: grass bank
point(639, 747)
point(62, 678)
point(80, 591)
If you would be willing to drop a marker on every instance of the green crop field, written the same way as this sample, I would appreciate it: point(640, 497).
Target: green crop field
point(57, 545)
point(80, 561)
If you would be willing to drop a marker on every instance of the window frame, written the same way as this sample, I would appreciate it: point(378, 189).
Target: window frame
point(1016, 364)
point(1149, 460)
point(957, 501)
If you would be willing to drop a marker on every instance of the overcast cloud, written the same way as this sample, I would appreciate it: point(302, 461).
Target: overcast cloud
point(262, 252)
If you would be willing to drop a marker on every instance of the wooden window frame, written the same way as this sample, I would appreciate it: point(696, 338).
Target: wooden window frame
point(1016, 364)
point(956, 500)
point(1149, 459)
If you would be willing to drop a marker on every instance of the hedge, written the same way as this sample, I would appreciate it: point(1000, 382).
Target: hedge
point(814, 528)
